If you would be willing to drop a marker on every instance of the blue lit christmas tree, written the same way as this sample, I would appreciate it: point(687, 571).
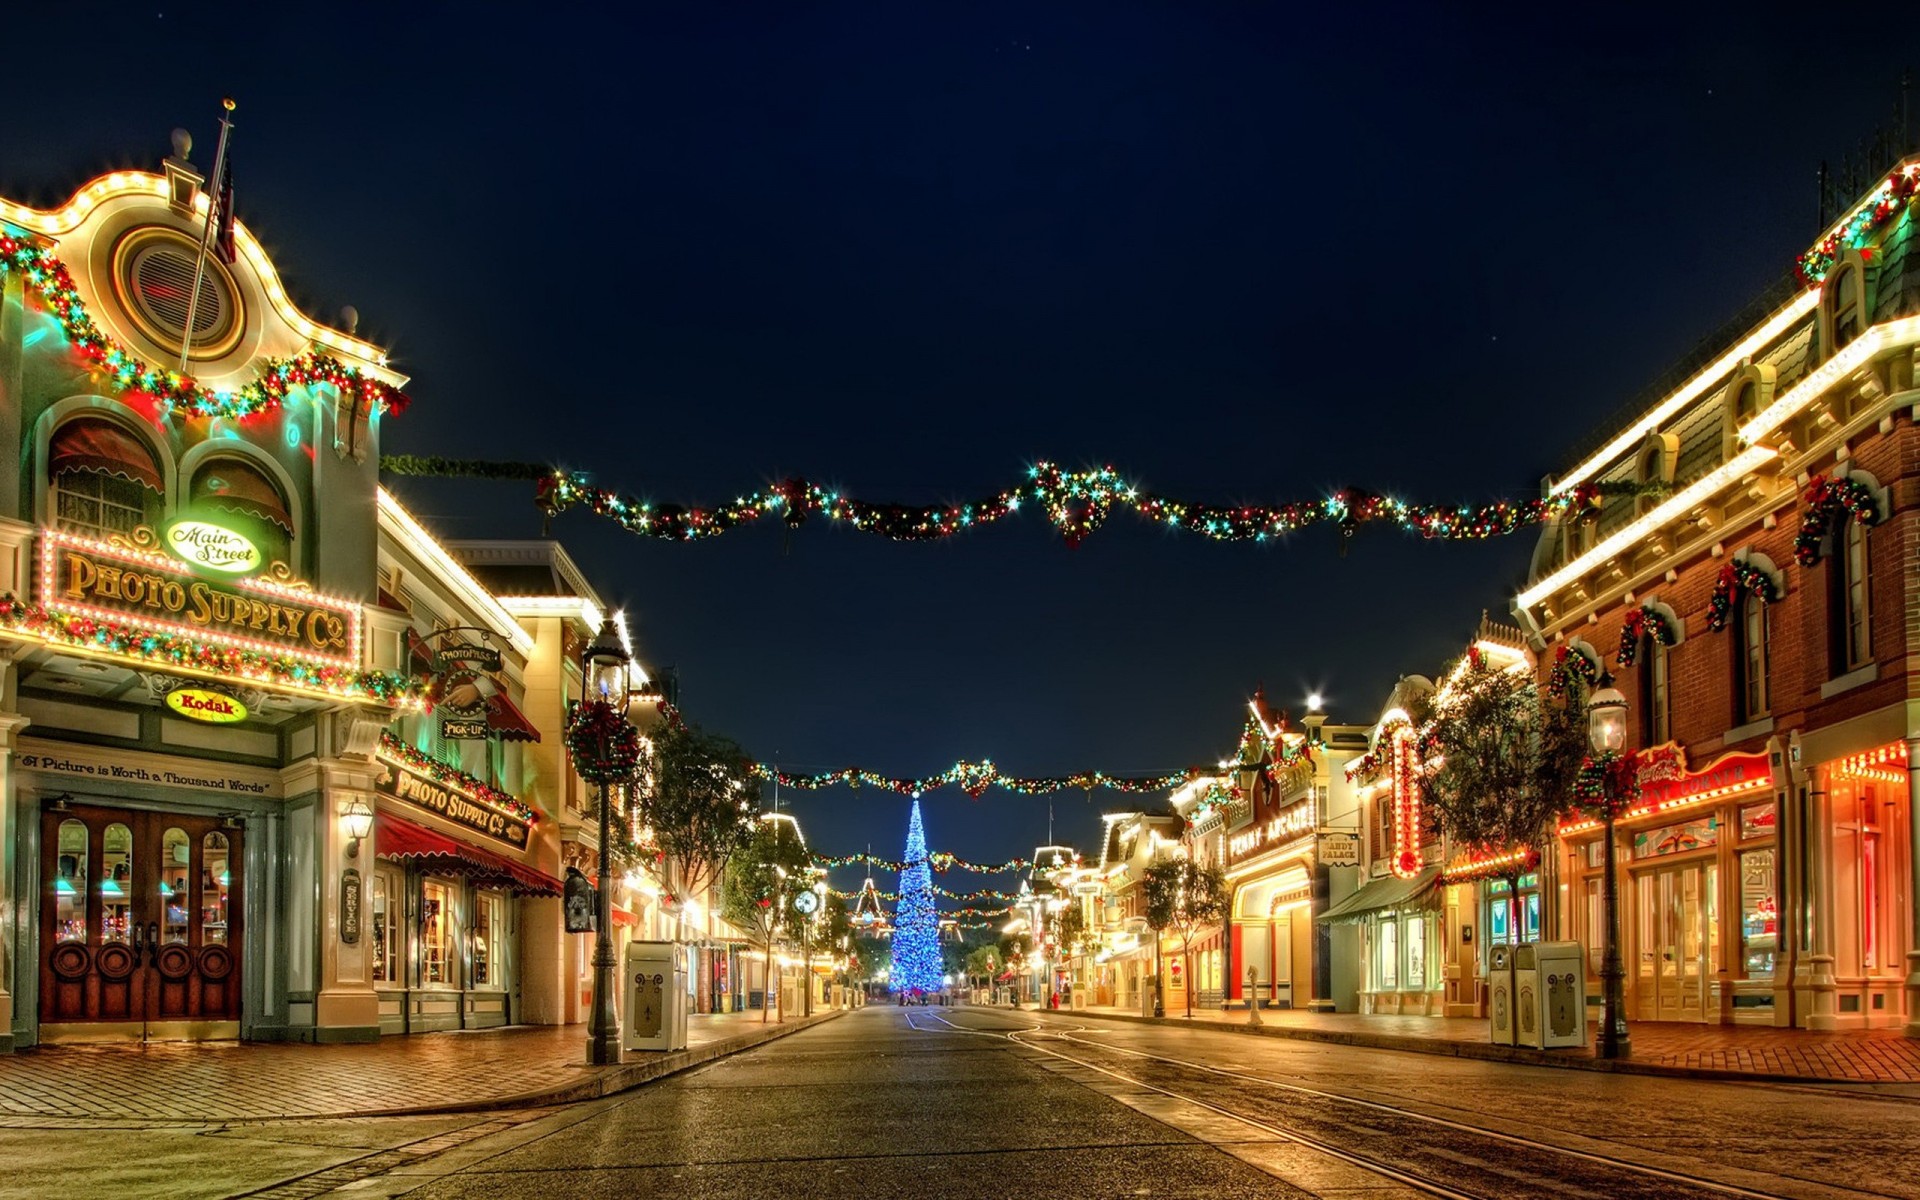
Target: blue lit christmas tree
point(916, 922)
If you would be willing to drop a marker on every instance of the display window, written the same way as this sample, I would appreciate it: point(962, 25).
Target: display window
point(386, 907)
point(439, 935)
point(489, 932)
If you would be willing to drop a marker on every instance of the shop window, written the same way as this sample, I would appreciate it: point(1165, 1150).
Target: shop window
point(116, 883)
point(437, 935)
point(1416, 953)
point(1757, 820)
point(1596, 930)
point(236, 491)
point(70, 886)
point(1848, 608)
point(1759, 916)
point(386, 906)
point(1844, 304)
point(489, 940)
point(176, 884)
point(102, 478)
point(1750, 660)
point(216, 884)
point(1500, 915)
point(1655, 721)
point(1387, 956)
point(1680, 838)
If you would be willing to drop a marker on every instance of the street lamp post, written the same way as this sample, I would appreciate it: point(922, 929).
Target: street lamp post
point(1607, 735)
point(607, 666)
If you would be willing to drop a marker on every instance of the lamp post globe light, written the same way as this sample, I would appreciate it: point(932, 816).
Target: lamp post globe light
point(607, 667)
point(1607, 736)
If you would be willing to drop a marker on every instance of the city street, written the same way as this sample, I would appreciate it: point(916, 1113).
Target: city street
point(988, 1102)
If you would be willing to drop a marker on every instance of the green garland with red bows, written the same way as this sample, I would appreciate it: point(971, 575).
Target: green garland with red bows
point(604, 745)
point(1827, 504)
point(1738, 578)
point(173, 393)
point(1640, 623)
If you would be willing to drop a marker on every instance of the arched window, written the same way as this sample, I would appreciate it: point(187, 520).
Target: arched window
point(1845, 304)
point(1654, 470)
point(101, 478)
point(1655, 725)
point(1849, 602)
point(1752, 699)
point(234, 487)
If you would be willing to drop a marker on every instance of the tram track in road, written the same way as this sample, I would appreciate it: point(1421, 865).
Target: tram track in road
point(1432, 1154)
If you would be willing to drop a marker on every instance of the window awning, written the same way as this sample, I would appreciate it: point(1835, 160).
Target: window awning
point(401, 840)
point(1388, 894)
point(95, 445)
point(240, 488)
point(506, 720)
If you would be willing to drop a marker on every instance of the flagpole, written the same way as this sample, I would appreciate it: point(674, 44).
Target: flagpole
point(206, 231)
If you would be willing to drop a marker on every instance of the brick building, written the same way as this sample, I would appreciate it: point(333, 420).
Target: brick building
point(1755, 599)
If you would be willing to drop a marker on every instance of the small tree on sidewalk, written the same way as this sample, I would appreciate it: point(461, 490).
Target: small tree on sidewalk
point(1184, 896)
point(1501, 760)
point(757, 897)
point(698, 798)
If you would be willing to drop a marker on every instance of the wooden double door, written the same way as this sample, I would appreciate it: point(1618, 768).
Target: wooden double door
point(140, 925)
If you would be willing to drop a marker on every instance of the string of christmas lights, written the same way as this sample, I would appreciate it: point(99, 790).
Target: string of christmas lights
point(1862, 223)
point(974, 778)
point(963, 897)
point(173, 393)
point(1076, 502)
point(939, 860)
point(418, 760)
point(168, 650)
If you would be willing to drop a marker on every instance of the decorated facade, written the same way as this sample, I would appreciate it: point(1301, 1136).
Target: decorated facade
point(1754, 604)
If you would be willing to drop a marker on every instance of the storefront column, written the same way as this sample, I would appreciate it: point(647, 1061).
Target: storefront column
point(1818, 997)
point(10, 726)
point(1912, 1027)
point(346, 1008)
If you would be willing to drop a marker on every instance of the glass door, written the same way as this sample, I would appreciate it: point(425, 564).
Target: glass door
point(1677, 936)
point(139, 925)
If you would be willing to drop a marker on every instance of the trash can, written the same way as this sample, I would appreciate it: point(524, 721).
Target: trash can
point(1561, 988)
point(1527, 995)
point(1500, 993)
point(655, 992)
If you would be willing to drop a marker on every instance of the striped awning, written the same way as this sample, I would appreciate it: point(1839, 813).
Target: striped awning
point(400, 840)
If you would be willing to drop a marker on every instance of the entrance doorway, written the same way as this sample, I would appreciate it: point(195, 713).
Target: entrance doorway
point(1678, 941)
point(140, 917)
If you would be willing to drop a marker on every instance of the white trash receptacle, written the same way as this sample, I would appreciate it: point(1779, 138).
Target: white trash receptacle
point(654, 985)
point(1562, 994)
point(1500, 994)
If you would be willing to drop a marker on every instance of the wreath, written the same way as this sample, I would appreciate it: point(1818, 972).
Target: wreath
point(1639, 623)
point(605, 748)
point(1828, 503)
point(1738, 578)
point(1608, 784)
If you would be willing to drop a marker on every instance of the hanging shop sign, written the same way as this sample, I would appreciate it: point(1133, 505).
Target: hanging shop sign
point(214, 547)
point(93, 579)
point(206, 704)
point(463, 706)
point(464, 729)
point(1337, 848)
point(474, 658)
point(350, 906)
point(1284, 827)
point(449, 801)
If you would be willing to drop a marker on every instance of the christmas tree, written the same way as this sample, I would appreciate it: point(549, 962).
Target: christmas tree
point(916, 923)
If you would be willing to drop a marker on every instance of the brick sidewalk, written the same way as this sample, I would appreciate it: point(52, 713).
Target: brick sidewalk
point(234, 1081)
point(1665, 1048)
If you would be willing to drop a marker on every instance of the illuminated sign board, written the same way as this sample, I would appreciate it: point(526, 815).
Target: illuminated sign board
point(204, 544)
point(451, 802)
point(1295, 820)
point(204, 704)
point(83, 577)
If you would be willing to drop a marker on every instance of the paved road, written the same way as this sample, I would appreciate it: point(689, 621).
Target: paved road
point(974, 1102)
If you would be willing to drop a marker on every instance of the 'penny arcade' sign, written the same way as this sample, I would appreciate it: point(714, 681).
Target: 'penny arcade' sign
point(107, 582)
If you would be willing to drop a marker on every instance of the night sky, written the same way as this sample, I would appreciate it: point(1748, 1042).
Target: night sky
point(1240, 253)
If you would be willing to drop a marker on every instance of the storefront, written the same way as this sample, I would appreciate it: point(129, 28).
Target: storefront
point(1271, 866)
point(444, 905)
point(1699, 879)
point(1400, 942)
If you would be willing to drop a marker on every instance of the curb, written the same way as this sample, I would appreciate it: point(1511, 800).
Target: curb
point(1484, 1051)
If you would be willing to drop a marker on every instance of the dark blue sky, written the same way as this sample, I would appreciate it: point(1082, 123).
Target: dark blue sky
point(1239, 252)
